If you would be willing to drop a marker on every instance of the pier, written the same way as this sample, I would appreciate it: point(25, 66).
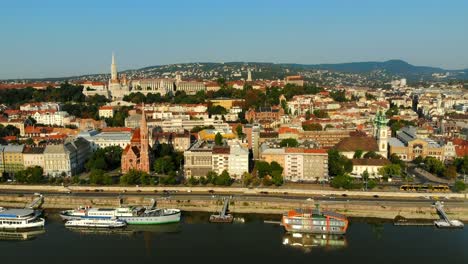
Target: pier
point(445, 222)
point(223, 216)
point(36, 203)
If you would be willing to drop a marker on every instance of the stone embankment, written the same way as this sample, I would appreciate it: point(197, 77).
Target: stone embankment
point(350, 208)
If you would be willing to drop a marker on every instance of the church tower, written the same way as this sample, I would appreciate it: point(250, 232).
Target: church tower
point(381, 133)
point(114, 76)
point(144, 152)
point(249, 75)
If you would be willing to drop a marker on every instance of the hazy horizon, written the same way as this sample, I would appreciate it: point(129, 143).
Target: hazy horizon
point(52, 38)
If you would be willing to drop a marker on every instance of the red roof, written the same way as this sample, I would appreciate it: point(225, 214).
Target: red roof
point(136, 136)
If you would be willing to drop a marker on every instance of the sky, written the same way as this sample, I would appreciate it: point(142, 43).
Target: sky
point(50, 38)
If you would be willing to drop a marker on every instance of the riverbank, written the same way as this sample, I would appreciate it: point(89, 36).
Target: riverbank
point(351, 208)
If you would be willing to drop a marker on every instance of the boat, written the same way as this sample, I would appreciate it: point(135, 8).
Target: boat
point(305, 241)
point(314, 221)
point(14, 219)
point(131, 215)
point(21, 235)
point(96, 223)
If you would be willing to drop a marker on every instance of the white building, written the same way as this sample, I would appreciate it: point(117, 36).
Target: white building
point(106, 111)
point(33, 156)
point(238, 160)
point(51, 118)
point(43, 106)
point(66, 159)
point(106, 139)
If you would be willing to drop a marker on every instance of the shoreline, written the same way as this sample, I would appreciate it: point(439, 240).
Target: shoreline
point(351, 208)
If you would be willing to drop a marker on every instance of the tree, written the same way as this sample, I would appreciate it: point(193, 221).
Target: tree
point(131, 178)
point(418, 160)
point(247, 178)
point(218, 139)
point(450, 172)
point(289, 142)
point(357, 154)
point(461, 164)
point(459, 186)
point(312, 127)
point(307, 115)
point(318, 113)
point(277, 178)
point(372, 155)
point(164, 165)
point(390, 170)
point(239, 132)
point(223, 179)
point(263, 168)
point(338, 164)
point(193, 181)
point(211, 177)
point(30, 175)
point(96, 177)
point(342, 181)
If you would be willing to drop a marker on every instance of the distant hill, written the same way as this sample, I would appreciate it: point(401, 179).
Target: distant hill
point(392, 67)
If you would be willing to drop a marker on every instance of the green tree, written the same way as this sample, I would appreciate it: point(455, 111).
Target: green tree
point(372, 155)
point(164, 165)
point(218, 139)
point(307, 115)
point(96, 176)
point(450, 172)
point(312, 127)
point(318, 113)
point(262, 168)
point(357, 154)
point(239, 132)
point(338, 164)
point(390, 170)
point(247, 178)
point(277, 178)
point(223, 179)
point(459, 186)
point(211, 177)
point(289, 142)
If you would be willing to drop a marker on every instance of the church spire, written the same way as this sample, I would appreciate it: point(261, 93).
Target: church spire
point(114, 76)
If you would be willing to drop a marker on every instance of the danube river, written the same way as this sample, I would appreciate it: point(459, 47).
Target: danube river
point(196, 241)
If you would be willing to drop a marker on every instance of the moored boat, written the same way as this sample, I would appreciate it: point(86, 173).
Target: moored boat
point(131, 215)
point(314, 221)
point(15, 219)
point(96, 223)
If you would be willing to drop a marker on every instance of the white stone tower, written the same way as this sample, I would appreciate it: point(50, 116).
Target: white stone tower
point(249, 75)
point(381, 133)
point(114, 76)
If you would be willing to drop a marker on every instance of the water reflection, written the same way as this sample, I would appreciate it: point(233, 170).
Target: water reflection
point(21, 235)
point(129, 230)
point(308, 241)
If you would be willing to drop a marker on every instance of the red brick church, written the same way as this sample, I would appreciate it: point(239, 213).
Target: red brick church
point(136, 154)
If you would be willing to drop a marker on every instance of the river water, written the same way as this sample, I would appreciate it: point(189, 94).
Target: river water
point(196, 241)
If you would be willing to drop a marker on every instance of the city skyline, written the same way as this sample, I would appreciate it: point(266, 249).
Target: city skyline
point(147, 34)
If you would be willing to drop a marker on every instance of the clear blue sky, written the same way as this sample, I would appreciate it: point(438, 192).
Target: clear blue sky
point(60, 38)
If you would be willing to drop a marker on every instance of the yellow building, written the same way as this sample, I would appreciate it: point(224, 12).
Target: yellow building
point(11, 158)
point(210, 134)
point(226, 102)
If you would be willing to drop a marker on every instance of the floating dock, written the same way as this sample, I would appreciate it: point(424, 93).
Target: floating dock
point(223, 216)
point(445, 222)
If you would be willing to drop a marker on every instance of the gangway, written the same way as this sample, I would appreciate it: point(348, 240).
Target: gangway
point(445, 222)
point(223, 216)
point(36, 202)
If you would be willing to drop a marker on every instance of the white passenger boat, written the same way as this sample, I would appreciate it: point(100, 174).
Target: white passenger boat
point(15, 219)
point(96, 223)
point(131, 215)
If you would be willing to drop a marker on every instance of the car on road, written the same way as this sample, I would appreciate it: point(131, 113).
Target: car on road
point(375, 196)
point(309, 199)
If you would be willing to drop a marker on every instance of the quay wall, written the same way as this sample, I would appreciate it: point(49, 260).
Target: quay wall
point(349, 208)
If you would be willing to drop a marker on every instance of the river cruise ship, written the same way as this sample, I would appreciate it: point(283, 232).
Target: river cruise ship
point(131, 215)
point(96, 223)
point(14, 219)
point(314, 221)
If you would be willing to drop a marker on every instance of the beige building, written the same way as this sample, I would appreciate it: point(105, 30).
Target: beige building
point(372, 166)
point(66, 159)
point(299, 164)
point(408, 145)
point(33, 156)
point(106, 111)
point(198, 159)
